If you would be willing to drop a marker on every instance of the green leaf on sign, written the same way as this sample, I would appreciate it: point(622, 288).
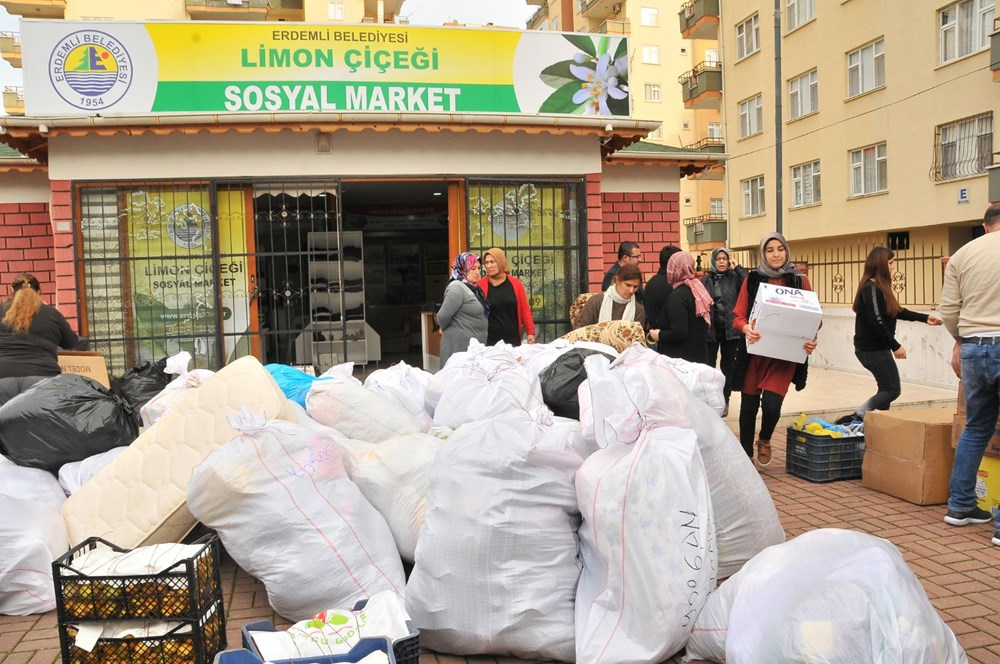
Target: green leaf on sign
point(585, 44)
point(558, 75)
point(602, 45)
point(618, 106)
point(561, 101)
point(622, 48)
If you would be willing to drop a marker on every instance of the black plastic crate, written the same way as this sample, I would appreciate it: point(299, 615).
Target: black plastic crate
point(181, 592)
point(189, 642)
point(823, 458)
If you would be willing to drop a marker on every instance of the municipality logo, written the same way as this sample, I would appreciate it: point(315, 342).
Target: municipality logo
point(90, 70)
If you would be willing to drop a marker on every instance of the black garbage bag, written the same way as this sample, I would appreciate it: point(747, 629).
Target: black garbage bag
point(561, 379)
point(140, 384)
point(63, 419)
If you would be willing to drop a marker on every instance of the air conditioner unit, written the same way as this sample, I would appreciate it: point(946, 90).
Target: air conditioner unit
point(235, 3)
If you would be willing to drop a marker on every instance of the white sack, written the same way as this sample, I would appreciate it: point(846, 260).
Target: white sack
point(705, 382)
point(444, 376)
point(496, 563)
point(640, 389)
point(32, 535)
point(74, 475)
point(485, 386)
point(176, 390)
point(357, 412)
point(403, 385)
point(536, 357)
point(27, 483)
point(287, 513)
point(829, 596)
point(393, 476)
point(648, 548)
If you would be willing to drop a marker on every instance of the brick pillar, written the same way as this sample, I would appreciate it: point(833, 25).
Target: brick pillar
point(26, 245)
point(61, 212)
point(596, 266)
point(651, 219)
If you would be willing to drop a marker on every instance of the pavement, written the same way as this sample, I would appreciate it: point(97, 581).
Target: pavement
point(958, 567)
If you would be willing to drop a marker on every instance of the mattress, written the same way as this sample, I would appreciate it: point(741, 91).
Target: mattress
point(140, 497)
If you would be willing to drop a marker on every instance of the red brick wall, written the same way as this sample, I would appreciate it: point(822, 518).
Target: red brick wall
point(595, 232)
point(26, 246)
point(65, 274)
point(652, 219)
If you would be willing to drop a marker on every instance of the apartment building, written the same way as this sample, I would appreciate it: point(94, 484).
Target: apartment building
point(888, 118)
point(675, 79)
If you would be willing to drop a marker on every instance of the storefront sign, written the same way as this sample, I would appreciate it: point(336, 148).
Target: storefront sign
point(91, 67)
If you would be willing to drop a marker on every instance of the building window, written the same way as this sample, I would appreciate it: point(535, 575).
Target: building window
point(651, 55)
point(869, 170)
point(866, 68)
point(649, 17)
point(803, 95)
point(687, 200)
point(965, 147)
point(751, 116)
point(555, 22)
point(336, 11)
point(715, 130)
point(652, 91)
point(965, 28)
point(656, 134)
point(712, 57)
point(805, 184)
point(715, 206)
point(747, 37)
point(798, 12)
point(753, 195)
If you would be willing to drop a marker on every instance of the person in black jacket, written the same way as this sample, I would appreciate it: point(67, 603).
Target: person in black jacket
point(688, 313)
point(875, 343)
point(656, 292)
point(723, 283)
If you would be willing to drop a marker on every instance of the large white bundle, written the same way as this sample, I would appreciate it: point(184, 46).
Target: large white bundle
point(536, 357)
point(705, 382)
point(30, 484)
point(357, 412)
point(452, 370)
point(74, 475)
point(394, 475)
point(32, 535)
point(648, 548)
point(496, 563)
point(485, 386)
point(176, 390)
point(405, 385)
point(640, 389)
point(829, 596)
point(287, 513)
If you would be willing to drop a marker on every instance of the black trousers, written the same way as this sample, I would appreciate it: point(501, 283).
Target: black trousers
point(727, 349)
point(770, 405)
point(882, 365)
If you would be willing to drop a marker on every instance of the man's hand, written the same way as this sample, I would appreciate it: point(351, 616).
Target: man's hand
point(956, 358)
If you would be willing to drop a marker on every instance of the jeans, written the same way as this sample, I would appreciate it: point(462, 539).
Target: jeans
point(981, 382)
point(728, 350)
point(770, 405)
point(882, 365)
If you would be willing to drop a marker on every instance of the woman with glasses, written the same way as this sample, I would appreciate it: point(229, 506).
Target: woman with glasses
point(464, 312)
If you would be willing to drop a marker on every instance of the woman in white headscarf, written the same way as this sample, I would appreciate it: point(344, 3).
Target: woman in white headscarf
point(616, 303)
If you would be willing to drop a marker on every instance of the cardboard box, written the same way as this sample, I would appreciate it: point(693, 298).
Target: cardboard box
point(988, 485)
point(85, 363)
point(908, 454)
point(786, 318)
point(958, 424)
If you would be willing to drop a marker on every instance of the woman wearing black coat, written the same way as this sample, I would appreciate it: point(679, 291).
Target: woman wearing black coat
point(687, 313)
point(723, 283)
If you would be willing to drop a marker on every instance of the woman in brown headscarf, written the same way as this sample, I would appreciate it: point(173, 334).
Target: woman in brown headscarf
point(510, 313)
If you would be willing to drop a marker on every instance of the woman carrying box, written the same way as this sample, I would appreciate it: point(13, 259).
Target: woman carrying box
point(763, 381)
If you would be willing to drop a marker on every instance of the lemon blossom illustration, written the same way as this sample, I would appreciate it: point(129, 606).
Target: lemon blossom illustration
point(593, 82)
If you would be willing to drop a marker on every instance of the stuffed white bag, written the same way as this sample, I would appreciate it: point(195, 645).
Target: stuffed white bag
point(27, 483)
point(452, 370)
point(404, 385)
point(485, 386)
point(829, 596)
point(176, 390)
point(746, 520)
point(705, 382)
point(74, 475)
point(394, 475)
point(32, 535)
point(357, 412)
point(496, 563)
point(288, 514)
point(536, 357)
point(648, 548)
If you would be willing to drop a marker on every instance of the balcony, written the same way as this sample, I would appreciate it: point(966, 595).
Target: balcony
point(599, 9)
point(699, 19)
point(705, 229)
point(13, 100)
point(36, 9)
point(542, 3)
point(536, 19)
point(285, 10)
point(613, 27)
point(701, 88)
point(710, 144)
point(995, 50)
point(227, 10)
point(10, 48)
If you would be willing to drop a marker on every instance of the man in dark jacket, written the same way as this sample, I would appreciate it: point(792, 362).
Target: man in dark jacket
point(656, 292)
point(628, 254)
point(723, 283)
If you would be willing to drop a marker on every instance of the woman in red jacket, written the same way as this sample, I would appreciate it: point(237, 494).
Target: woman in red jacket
point(510, 314)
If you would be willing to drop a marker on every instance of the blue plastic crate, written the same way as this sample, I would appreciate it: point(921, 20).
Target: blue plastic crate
point(823, 458)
